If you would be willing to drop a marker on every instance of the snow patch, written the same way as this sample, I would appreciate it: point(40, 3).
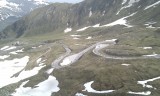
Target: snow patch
point(144, 83)
point(10, 48)
point(151, 55)
point(67, 30)
point(140, 93)
point(121, 21)
point(88, 88)
point(95, 26)
point(49, 71)
point(39, 60)
point(90, 13)
point(26, 74)
point(89, 37)
point(147, 48)
point(9, 67)
point(79, 94)
point(126, 64)
point(75, 35)
point(124, 1)
point(16, 52)
point(5, 47)
point(45, 88)
point(4, 56)
point(83, 29)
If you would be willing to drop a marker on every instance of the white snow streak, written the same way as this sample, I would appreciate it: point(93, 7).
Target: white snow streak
point(121, 21)
point(124, 1)
point(83, 29)
point(140, 93)
point(144, 83)
point(130, 3)
point(126, 64)
point(3, 48)
point(153, 5)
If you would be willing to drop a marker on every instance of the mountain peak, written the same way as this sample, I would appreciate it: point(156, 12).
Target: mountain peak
point(11, 10)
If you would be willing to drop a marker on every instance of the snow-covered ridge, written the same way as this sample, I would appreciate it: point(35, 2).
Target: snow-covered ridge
point(15, 8)
point(40, 2)
point(9, 5)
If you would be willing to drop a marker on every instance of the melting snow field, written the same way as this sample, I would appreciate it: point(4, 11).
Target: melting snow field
point(45, 88)
point(26, 74)
point(121, 21)
point(10, 67)
point(4, 56)
point(88, 88)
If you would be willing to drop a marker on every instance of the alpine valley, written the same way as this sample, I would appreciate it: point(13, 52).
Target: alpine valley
point(91, 48)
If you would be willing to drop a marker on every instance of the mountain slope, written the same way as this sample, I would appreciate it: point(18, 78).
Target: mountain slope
point(59, 16)
point(93, 48)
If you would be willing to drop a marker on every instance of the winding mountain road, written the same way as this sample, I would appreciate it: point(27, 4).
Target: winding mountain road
point(56, 63)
